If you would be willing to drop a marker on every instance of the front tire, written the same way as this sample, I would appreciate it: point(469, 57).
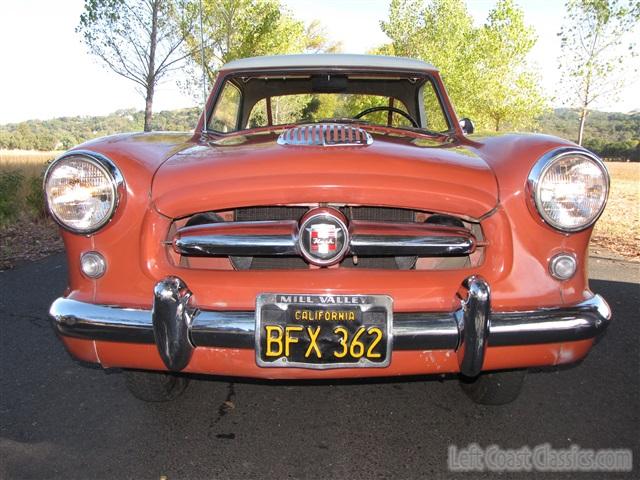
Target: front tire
point(496, 388)
point(155, 386)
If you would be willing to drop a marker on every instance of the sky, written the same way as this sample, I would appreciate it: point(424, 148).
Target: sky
point(46, 71)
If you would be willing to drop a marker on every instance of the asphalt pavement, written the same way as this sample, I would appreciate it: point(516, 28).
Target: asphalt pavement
point(62, 419)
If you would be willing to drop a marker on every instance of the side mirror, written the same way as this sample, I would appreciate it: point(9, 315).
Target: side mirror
point(467, 126)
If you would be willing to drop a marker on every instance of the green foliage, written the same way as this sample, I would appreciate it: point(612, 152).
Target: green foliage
point(316, 107)
point(34, 198)
point(624, 151)
point(610, 135)
point(10, 183)
point(484, 68)
point(245, 28)
point(605, 126)
point(597, 41)
point(510, 95)
point(65, 132)
point(441, 33)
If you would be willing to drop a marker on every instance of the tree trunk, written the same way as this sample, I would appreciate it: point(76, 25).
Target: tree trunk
point(148, 107)
point(151, 72)
point(583, 119)
point(585, 107)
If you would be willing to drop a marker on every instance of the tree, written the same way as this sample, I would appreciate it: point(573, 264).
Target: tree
point(596, 42)
point(235, 29)
point(484, 68)
point(510, 93)
point(141, 40)
point(440, 33)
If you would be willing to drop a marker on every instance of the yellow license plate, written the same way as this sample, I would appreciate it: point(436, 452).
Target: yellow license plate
point(323, 331)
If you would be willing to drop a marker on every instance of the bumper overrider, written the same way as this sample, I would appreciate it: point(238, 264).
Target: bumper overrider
point(177, 327)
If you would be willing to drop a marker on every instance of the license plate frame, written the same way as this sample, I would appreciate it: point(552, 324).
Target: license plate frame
point(381, 305)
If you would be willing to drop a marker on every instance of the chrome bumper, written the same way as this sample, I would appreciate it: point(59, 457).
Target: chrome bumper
point(177, 328)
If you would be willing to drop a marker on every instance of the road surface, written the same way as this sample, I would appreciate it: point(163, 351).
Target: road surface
point(61, 419)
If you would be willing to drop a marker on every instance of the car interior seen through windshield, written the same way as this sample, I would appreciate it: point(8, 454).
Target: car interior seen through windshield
point(260, 101)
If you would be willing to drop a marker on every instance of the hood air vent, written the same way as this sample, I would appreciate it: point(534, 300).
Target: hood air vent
point(325, 135)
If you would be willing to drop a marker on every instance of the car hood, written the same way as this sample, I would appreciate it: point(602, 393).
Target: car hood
point(394, 171)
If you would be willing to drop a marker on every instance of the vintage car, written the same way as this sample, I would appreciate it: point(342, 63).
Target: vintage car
point(330, 218)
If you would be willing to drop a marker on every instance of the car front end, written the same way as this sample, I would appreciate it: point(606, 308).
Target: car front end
point(331, 248)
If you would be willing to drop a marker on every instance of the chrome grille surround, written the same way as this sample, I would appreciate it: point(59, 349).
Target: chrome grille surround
point(325, 135)
point(236, 233)
point(280, 238)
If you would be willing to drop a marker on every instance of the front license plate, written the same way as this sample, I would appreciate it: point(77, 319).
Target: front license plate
point(323, 331)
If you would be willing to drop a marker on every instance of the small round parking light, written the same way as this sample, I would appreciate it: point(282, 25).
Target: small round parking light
point(563, 266)
point(93, 264)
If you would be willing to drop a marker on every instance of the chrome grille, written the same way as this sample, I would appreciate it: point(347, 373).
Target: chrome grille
point(221, 236)
point(259, 214)
point(325, 135)
point(374, 214)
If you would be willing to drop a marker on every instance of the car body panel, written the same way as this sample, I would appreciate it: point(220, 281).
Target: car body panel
point(386, 173)
point(241, 362)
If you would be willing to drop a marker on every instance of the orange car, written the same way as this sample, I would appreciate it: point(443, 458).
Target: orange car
point(329, 218)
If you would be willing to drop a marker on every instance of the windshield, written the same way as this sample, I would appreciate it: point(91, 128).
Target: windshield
point(261, 101)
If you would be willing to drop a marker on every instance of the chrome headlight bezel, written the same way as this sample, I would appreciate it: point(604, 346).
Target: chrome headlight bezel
point(538, 173)
point(111, 172)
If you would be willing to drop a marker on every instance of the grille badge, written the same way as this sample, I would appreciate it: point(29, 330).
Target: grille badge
point(323, 237)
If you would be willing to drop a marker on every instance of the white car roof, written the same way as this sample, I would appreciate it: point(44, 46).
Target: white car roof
point(328, 60)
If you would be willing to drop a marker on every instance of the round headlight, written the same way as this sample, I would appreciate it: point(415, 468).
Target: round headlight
point(569, 188)
point(82, 191)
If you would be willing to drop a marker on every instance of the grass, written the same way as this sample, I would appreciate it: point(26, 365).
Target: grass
point(26, 233)
point(21, 172)
point(618, 230)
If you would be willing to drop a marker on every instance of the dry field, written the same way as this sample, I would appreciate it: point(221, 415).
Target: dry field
point(29, 162)
point(618, 231)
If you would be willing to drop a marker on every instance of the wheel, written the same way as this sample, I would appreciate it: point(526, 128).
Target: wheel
point(155, 386)
point(496, 388)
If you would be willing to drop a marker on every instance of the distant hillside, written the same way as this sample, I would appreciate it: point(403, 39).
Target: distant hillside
point(65, 132)
point(611, 135)
point(608, 127)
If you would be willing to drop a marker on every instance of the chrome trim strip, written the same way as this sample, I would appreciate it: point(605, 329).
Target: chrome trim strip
point(579, 322)
point(238, 239)
point(425, 331)
point(230, 329)
point(101, 322)
point(426, 246)
point(411, 331)
point(236, 245)
point(282, 238)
